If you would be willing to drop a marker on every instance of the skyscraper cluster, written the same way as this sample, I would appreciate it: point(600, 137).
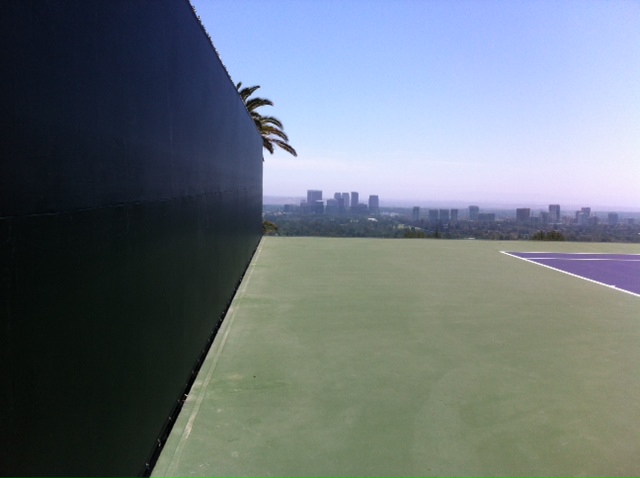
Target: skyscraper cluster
point(341, 203)
point(349, 203)
point(582, 217)
point(437, 215)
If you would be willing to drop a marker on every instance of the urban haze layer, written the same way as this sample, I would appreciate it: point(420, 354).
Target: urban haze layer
point(347, 215)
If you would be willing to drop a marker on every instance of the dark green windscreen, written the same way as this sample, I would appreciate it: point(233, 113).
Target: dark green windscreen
point(130, 206)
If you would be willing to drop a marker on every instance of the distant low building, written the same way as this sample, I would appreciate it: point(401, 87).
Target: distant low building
point(333, 206)
point(317, 207)
point(486, 217)
point(361, 208)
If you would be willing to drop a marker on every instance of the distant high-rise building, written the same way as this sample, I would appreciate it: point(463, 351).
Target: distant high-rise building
point(345, 198)
point(523, 214)
point(340, 202)
point(473, 213)
point(416, 213)
point(314, 204)
point(313, 195)
point(433, 215)
point(554, 213)
point(582, 216)
point(454, 215)
point(444, 215)
point(374, 204)
point(355, 200)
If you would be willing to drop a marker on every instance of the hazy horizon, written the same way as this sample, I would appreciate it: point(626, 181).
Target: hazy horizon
point(566, 208)
point(501, 102)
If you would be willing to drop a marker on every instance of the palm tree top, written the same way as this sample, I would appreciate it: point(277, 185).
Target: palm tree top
point(270, 127)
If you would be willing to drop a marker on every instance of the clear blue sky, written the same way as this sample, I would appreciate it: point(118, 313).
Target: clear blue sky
point(519, 102)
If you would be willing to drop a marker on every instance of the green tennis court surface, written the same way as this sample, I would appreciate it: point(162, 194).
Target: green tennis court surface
point(415, 357)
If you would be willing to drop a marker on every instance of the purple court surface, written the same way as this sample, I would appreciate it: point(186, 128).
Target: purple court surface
point(620, 271)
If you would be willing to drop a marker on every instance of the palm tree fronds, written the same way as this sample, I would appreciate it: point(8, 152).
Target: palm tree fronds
point(245, 92)
point(271, 120)
point(255, 103)
point(268, 145)
point(276, 132)
point(286, 146)
point(270, 128)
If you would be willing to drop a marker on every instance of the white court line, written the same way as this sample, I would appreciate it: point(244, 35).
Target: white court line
point(533, 261)
point(541, 258)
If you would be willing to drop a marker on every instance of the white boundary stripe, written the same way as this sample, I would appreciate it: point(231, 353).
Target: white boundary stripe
point(542, 258)
point(533, 261)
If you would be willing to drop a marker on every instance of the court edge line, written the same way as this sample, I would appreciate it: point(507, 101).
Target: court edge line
point(572, 253)
point(219, 346)
point(570, 273)
point(542, 258)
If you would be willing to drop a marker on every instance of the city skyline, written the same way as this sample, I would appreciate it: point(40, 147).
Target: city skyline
point(347, 203)
point(344, 201)
point(480, 102)
point(460, 204)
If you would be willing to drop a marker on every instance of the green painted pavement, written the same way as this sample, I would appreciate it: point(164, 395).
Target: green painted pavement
point(415, 357)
